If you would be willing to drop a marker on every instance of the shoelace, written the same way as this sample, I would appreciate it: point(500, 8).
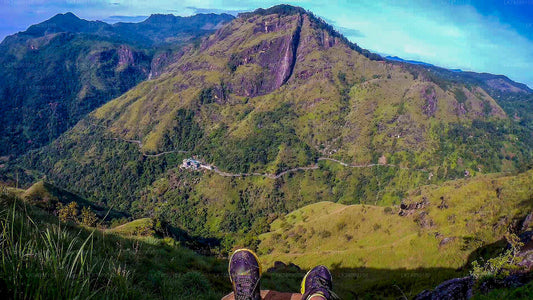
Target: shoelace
point(245, 287)
point(322, 283)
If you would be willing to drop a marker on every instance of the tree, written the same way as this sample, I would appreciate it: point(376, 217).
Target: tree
point(88, 217)
point(69, 212)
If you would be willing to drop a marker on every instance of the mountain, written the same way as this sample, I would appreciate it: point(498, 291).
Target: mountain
point(67, 22)
point(283, 112)
point(57, 71)
point(169, 29)
point(156, 30)
point(496, 82)
point(276, 113)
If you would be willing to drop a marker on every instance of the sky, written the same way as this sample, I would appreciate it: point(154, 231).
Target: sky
point(494, 36)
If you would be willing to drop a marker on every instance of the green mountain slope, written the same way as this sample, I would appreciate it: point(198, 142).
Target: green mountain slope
point(451, 221)
point(515, 98)
point(442, 227)
point(271, 82)
point(57, 71)
point(47, 196)
point(272, 91)
point(285, 114)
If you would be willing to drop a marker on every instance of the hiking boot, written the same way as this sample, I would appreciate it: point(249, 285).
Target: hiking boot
point(244, 272)
point(318, 282)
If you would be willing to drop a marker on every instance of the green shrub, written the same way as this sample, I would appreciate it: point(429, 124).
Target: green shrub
point(88, 217)
point(341, 225)
point(500, 266)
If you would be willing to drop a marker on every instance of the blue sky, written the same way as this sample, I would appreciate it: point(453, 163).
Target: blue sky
point(494, 36)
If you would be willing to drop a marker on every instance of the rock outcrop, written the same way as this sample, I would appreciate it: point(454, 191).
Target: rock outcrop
point(526, 254)
point(453, 289)
point(465, 288)
point(408, 209)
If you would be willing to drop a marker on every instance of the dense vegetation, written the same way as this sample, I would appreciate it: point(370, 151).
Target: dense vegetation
point(225, 104)
point(209, 205)
point(58, 71)
point(47, 259)
point(519, 293)
point(272, 90)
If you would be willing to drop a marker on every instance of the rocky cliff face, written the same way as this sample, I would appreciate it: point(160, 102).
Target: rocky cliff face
point(162, 60)
point(273, 58)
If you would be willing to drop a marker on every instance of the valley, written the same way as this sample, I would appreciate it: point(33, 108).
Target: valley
point(190, 137)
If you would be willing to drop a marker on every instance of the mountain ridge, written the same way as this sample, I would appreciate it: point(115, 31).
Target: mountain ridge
point(126, 31)
point(59, 70)
point(516, 86)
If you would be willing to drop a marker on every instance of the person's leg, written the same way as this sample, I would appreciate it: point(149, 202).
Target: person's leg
point(317, 285)
point(245, 272)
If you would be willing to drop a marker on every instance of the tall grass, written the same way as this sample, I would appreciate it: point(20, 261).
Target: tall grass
point(48, 262)
point(42, 258)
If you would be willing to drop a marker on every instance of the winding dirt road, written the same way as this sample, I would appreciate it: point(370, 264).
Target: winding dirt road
point(268, 175)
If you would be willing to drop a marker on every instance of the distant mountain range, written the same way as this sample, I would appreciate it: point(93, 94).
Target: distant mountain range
point(504, 82)
point(396, 58)
point(155, 30)
point(57, 71)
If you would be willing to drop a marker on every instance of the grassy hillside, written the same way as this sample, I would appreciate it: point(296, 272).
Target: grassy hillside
point(43, 258)
point(459, 216)
point(137, 227)
point(47, 196)
point(452, 221)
